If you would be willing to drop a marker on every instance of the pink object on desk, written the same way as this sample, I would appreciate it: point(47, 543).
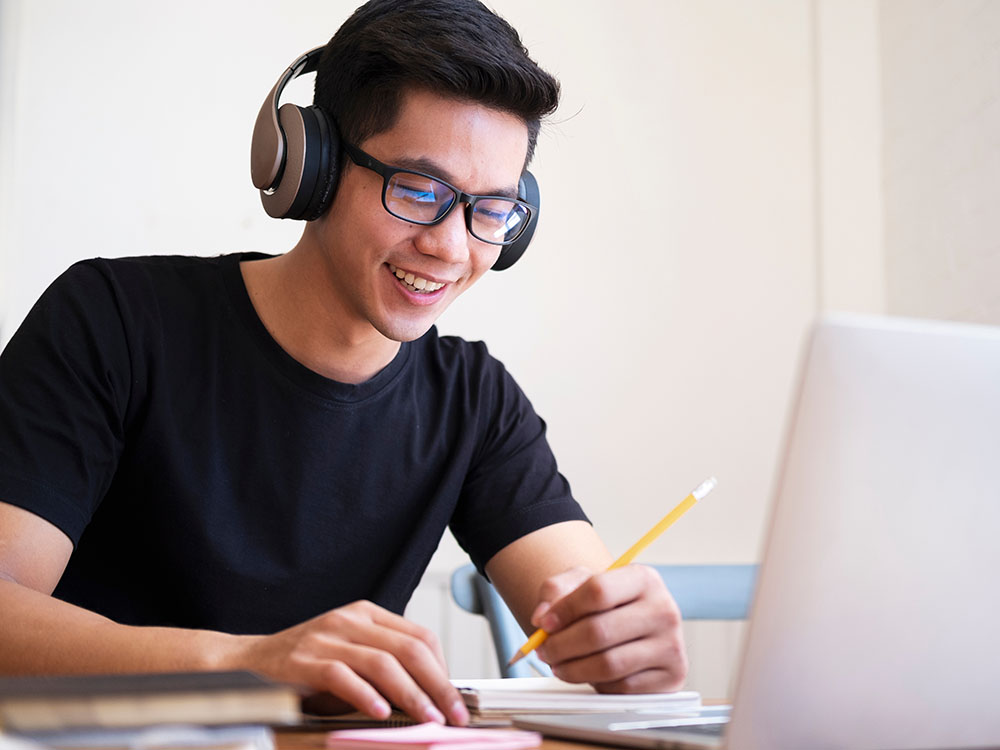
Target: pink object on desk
point(431, 736)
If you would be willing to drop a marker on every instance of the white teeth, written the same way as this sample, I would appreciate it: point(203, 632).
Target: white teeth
point(415, 283)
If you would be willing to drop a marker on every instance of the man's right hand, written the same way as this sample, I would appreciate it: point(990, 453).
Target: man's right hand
point(364, 655)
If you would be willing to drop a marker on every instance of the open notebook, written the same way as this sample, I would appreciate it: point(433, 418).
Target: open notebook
point(492, 699)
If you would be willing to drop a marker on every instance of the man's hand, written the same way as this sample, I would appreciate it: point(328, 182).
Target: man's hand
point(367, 657)
point(619, 630)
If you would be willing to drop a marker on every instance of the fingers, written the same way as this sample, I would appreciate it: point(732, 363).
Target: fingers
point(368, 657)
point(407, 666)
point(400, 660)
point(343, 682)
point(391, 620)
point(600, 631)
point(620, 631)
point(555, 588)
point(600, 593)
point(647, 681)
point(642, 665)
point(371, 679)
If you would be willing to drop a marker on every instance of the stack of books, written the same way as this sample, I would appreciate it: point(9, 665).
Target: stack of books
point(217, 710)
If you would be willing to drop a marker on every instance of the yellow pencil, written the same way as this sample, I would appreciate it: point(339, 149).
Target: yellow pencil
point(539, 636)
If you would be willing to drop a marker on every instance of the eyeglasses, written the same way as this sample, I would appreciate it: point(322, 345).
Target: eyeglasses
point(421, 199)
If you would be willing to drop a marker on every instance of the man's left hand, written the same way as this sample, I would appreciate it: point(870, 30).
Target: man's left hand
point(619, 630)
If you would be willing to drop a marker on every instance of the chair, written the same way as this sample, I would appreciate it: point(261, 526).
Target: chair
point(703, 592)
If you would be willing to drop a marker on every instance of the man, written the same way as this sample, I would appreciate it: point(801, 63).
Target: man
point(247, 461)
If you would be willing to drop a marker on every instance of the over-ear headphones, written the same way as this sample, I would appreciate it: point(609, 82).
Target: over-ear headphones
point(294, 152)
point(295, 160)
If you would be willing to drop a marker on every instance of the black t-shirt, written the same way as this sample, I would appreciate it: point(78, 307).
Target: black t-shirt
point(208, 479)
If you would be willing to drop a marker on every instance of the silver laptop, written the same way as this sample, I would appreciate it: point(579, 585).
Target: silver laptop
point(876, 621)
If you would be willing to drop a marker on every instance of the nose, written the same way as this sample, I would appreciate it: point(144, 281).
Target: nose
point(448, 240)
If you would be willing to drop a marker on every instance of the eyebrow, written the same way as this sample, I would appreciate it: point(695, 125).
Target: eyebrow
point(432, 169)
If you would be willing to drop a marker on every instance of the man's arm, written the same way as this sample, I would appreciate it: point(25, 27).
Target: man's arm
point(362, 654)
point(619, 630)
point(43, 634)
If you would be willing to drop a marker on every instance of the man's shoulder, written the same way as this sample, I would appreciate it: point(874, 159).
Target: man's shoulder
point(152, 266)
point(143, 279)
point(142, 293)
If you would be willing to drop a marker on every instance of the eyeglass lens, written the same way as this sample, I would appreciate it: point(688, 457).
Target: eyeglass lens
point(424, 200)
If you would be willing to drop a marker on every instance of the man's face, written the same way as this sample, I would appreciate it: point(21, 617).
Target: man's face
point(480, 151)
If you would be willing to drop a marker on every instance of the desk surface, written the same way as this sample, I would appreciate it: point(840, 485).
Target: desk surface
point(300, 740)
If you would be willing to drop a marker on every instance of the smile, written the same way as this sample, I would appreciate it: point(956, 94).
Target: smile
point(415, 283)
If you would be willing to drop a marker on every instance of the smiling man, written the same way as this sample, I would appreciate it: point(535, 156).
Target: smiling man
point(247, 461)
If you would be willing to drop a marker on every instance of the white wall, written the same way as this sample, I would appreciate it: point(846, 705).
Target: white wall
point(688, 235)
point(941, 64)
point(849, 223)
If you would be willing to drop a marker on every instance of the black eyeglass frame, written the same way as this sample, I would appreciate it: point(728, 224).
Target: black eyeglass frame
point(386, 172)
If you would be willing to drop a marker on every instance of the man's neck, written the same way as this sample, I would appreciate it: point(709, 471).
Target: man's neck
point(295, 304)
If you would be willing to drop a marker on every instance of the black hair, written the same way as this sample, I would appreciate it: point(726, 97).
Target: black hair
point(455, 48)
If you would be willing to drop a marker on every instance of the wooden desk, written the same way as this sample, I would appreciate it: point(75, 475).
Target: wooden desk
point(299, 740)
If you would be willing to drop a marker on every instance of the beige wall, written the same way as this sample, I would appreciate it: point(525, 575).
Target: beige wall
point(849, 157)
point(941, 81)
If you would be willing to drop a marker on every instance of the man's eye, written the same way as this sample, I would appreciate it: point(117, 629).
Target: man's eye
point(498, 217)
point(414, 189)
point(414, 194)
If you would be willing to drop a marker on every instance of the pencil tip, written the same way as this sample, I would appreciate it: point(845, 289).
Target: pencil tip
point(515, 658)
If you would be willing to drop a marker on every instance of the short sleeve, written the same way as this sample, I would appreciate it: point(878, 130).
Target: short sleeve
point(514, 486)
point(64, 388)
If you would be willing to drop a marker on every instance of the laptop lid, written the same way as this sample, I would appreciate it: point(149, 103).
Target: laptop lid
point(876, 614)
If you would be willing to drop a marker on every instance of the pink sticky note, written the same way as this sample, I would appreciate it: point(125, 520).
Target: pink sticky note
point(431, 736)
